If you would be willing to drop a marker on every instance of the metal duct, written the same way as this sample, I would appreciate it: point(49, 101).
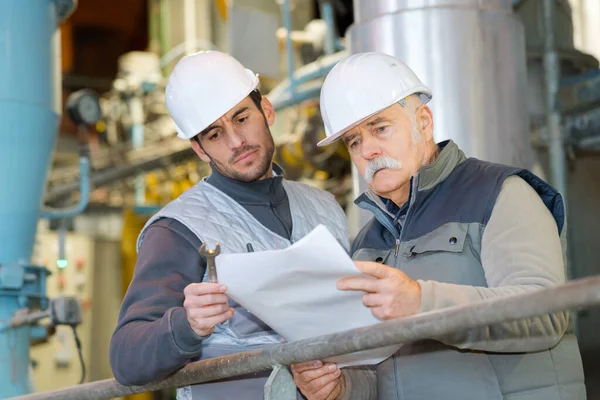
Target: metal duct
point(471, 53)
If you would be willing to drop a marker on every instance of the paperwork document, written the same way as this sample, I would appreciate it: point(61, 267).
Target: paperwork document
point(294, 291)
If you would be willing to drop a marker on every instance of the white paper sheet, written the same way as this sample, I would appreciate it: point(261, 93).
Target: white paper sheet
point(294, 291)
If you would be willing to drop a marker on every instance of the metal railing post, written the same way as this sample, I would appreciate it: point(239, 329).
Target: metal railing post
point(280, 385)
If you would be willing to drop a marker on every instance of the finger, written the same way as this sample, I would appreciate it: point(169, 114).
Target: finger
point(373, 299)
point(204, 288)
point(379, 312)
point(324, 384)
point(312, 374)
point(301, 367)
point(326, 390)
point(374, 269)
point(210, 322)
point(365, 284)
point(204, 300)
point(208, 311)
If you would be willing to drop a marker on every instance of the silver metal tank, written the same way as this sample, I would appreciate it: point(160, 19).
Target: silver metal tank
point(471, 53)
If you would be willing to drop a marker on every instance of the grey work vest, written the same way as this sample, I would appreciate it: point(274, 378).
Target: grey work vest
point(440, 240)
point(215, 217)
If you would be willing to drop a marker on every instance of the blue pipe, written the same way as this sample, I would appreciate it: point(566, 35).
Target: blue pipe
point(291, 99)
point(327, 15)
point(281, 96)
point(30, 109)
point(84, 195)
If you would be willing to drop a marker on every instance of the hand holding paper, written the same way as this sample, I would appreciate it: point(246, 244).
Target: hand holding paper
point(294, 291)
point(391, 295)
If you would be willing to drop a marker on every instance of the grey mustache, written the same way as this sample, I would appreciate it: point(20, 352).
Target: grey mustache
point(380, 163)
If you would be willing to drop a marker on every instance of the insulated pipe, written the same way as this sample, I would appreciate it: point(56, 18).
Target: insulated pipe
point(558, 166)
point(289, 48)
point(189, 24)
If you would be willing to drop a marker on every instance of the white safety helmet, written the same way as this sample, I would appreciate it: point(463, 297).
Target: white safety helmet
point(362, 85)
point(203, 87)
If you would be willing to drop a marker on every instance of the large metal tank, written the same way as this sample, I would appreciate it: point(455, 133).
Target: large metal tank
point(471, 53)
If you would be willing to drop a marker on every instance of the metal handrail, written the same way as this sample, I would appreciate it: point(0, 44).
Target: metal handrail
point(581, 293)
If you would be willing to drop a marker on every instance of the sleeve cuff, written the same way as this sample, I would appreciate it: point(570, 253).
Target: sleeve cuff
point(347, 387)
point(427, 296)
point(187, 341)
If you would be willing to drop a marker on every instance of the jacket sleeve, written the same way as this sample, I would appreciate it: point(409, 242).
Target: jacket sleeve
point(521, 252)
point(153, 337)
point(361, 383)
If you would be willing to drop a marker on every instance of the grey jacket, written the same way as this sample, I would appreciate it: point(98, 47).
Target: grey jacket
point(473, 230)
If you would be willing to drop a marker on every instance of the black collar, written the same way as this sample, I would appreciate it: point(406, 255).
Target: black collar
point(262, 192)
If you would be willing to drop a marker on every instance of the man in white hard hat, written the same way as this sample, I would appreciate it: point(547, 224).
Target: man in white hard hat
point(171, 314)
point(447, 231)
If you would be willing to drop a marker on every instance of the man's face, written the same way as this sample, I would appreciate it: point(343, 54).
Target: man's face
point(239, 144)
point(389, 147)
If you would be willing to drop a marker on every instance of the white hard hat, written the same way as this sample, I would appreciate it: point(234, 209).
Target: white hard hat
point(203, 87)
point(362, 85)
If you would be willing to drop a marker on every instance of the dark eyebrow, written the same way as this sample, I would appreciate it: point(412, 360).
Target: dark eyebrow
point(207, 130)
point(238, 112)
point(210, 128)
point(377, 121)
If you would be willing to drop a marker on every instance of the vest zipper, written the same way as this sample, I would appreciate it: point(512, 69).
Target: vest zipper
point(397, 247)
point(411, 199)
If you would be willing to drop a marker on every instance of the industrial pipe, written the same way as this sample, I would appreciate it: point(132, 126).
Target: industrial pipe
point(558, 168)
point(84, 195)
point(281, 95)
point(572, 295)
point(289, 49)
point(327, 15)
point(118, 173)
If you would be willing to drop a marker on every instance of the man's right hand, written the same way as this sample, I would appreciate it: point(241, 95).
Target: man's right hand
point(206, 306)
point(318, 381)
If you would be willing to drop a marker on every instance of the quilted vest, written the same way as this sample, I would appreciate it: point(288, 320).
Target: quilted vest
point(450, 204)
point(214, 217)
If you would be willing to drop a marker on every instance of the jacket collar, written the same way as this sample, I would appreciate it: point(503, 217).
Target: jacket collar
point(429, 176)
point(262, 192)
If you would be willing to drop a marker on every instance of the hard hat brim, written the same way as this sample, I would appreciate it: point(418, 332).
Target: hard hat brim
point(423, 92)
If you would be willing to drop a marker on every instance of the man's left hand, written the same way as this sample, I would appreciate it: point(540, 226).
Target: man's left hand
point(390, 293)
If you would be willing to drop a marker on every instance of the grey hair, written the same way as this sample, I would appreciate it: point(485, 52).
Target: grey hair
point(409, 105)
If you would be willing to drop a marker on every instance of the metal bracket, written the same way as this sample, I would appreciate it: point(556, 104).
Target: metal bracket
point(280, 385)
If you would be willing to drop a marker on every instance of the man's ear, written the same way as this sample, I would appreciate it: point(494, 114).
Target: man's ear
point(268, 110)
point(199, 150)
point(425, 122)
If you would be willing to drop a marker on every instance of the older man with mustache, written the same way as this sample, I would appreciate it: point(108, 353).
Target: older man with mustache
point(447, 230)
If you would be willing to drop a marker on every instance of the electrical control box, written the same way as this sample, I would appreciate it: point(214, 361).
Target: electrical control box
point(56, 362)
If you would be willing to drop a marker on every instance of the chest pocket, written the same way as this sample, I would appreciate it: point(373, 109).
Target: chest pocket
point(444, 255)
point(376, 255)
point(449, 237)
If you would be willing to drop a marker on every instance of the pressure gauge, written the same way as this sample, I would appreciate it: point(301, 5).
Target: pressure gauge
point(83, 107)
